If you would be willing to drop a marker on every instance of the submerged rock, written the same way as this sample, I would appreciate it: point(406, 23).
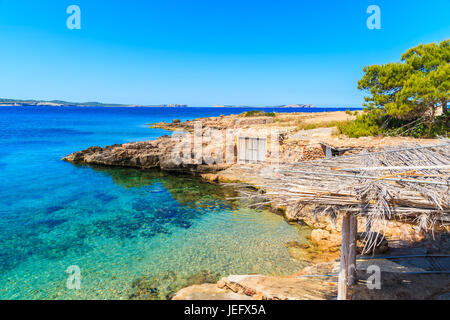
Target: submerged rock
point(154, 288)
point(203, 276)
point(54, 209)
point(165, 285)
point(297, 245)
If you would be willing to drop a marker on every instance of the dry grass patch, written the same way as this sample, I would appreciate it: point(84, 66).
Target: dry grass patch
point(321, 124)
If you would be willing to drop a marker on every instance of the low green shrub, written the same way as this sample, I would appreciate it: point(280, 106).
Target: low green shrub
point(323, 124)
point(375, 122)
point(366, 124)
point(259, 113)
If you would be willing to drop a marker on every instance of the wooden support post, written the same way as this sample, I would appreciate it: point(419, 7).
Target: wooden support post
point(328, 154)
point(368, 225)
point(343, 272)
point(352, 250)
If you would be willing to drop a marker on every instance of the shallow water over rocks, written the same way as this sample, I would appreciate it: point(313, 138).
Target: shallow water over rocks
point(145, 236)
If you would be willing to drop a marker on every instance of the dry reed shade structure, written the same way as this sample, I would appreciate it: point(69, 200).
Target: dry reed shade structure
point(411, 182)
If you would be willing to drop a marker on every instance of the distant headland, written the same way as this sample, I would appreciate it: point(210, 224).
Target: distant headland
point(278, 106)
point(60, 103)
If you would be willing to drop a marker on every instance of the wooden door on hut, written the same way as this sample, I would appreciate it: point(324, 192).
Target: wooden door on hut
point(252, 149)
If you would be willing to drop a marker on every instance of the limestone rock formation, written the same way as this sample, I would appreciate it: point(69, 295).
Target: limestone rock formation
point(260, 287)
point(157, 153)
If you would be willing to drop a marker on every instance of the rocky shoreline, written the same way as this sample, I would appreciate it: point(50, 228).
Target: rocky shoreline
point(295, 145)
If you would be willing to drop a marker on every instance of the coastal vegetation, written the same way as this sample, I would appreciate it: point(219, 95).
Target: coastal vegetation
point(258, 113)
point(406, 98)
point(301, 125)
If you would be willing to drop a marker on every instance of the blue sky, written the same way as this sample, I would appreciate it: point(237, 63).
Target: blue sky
point(205, 52)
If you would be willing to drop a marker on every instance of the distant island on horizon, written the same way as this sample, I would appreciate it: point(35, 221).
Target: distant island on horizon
point(277, 106)
point(61, 103)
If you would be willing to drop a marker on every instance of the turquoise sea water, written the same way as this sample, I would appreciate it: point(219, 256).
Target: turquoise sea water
point(133, 234)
